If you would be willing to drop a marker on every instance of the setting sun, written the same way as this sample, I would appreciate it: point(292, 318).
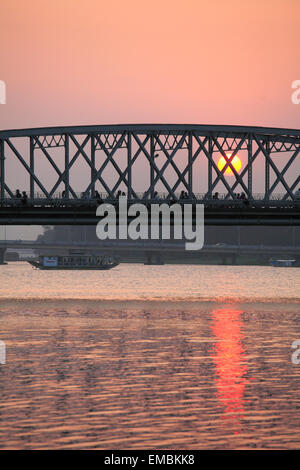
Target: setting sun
point(236, 163)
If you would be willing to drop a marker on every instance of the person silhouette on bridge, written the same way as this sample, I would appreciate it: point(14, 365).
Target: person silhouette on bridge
point(98, 197)
point(84, 195)
point(18, 194)
point(24, 198)
point(297, 194)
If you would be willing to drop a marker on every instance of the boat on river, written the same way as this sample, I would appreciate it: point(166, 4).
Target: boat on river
point(285, 263)
point(74, 261)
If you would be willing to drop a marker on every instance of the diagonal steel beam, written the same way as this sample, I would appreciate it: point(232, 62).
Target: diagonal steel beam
point(95, 177)
point(219, 172)
point(284, 170)
point(130, 162)
point(69, 166)
point(228, 161)
point(246, 168)
point(61, 174)
point(190, 165)
point(103, 166)
point(293, 186)
point(8, 190)
point(270, 161)
point(178, 146)
point(110, 159)
point(2, 170)
point(159, 173)
point(27, 168)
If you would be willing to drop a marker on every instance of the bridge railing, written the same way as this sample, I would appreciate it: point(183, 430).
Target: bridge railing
point(139, 196)
point(58, 201)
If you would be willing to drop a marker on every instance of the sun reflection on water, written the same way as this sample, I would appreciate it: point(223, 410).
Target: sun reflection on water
point(229, 359)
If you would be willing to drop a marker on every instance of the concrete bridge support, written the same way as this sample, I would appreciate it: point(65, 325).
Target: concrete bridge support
point(227, 257)
point(2, 255)
point(153, 257)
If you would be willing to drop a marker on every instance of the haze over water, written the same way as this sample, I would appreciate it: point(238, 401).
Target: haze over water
point(161, 357)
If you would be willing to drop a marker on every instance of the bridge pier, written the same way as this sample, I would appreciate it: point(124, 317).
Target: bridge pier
point(2, 255)
point(154, 258)
point(227, 257)
point(223, 259)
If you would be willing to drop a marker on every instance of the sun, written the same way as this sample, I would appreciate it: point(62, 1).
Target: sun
point(236, 163)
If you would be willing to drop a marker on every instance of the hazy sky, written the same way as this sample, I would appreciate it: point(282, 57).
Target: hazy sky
point(70, 62)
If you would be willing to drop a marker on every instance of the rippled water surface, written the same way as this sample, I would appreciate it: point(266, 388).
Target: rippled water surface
point(178, 357)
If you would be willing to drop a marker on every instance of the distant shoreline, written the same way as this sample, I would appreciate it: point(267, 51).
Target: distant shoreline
point(104, 304)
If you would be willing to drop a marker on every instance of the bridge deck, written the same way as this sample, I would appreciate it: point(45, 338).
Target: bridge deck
point(83, 212)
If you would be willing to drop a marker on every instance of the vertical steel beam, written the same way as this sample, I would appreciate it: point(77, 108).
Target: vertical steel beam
point(2, 255)
point(267, 170)
point(190, 164)
point(2, 170)
point(67, 169)
point(129, 165)
point(210, 154)
point(31, 157)
point(152, 153)
point(249, 171)
point(93, 162)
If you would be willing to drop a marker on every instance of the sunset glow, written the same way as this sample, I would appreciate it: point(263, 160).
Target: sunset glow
point(236, 163)
point(149, 203)
point(228, 357)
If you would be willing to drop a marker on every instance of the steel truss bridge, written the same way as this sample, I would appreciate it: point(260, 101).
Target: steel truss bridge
point(150, 163)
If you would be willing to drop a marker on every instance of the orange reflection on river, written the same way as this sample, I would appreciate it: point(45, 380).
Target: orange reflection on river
point(230, 364)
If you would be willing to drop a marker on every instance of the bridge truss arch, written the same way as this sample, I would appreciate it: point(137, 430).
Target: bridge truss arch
point(145, 160)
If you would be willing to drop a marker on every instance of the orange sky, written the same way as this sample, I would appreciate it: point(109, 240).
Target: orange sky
point(71, 62)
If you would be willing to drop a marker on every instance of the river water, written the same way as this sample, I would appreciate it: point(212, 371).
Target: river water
point(150, 357)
